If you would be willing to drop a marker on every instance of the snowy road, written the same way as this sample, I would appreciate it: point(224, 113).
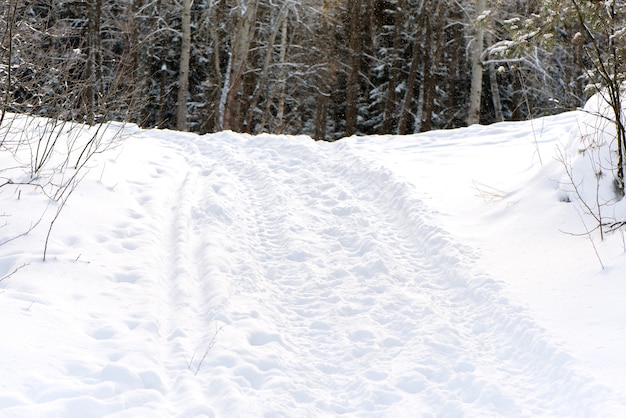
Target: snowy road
point(236, 276)
point(300, 281)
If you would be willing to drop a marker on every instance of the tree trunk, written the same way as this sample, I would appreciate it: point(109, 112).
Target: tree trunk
point(435, 25)
point(213, 77)
point(517, 97)
point(10, 22)
point(495, 93)
point(237, 63)
point(327, 74)
point(93, 60)
point(352, 84)
point(457, 85)
point(280, 123)
point(416, 62)
point(495, 89)
point(161, 117)
point(138, 64)
point(320, 116)
point(477, 49)
point(617, 85)
point(183, 74)
point(267, 60)
point(390, 100)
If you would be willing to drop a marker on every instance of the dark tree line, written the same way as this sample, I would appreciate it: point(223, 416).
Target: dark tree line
point(326, 68)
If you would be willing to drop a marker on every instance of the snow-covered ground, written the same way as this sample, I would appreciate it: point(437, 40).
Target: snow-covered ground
point(434, 275)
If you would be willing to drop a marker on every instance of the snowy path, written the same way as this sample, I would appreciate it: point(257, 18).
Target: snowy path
point(329, 290)
point(232, 276)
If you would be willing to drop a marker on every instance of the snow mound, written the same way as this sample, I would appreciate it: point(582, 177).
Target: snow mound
point(589, 164)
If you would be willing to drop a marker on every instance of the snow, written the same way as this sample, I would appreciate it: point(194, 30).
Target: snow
point(226, 275)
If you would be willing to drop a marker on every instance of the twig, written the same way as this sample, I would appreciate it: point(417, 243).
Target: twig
point(209, 347)
point(32, 226)
point(588, 234)
point(614, 226)
point(487, 192)
point(593, 244)
point(570, 176)
point(14, 271)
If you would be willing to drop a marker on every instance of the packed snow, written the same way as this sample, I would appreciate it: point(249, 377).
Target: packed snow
point(447, 274)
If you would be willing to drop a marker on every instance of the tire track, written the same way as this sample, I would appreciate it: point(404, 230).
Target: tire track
point(364, 297)
point(301, 279)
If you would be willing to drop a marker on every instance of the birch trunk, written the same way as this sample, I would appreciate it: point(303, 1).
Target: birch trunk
point(473, 116)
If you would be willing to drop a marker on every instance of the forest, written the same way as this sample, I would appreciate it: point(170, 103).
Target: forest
point(324, 68)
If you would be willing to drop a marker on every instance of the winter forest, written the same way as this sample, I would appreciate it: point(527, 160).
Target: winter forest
point(324, 68)
point(240, 208)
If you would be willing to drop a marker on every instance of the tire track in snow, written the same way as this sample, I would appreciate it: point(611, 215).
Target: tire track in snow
point(183, 274)
point(183, 315)
point(174, 314)
point(196, 287)
point(486, 341)
point(345, 297)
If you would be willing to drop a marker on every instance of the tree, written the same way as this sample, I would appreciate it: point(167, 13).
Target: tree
point(230, 102)
point(435, 23)
point(7, 49)
point(394, 67)
point(183, 72)
point(477, 48)
point(93, 69)
point(325, 74)
point(354, 50)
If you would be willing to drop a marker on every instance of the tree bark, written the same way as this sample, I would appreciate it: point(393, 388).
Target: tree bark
point(327, 73)
point(183, 74)
point(416, 63)
point(390, 100)
point(477, 49)
point(10, 23)
point(434, 35)
point(93, 60)
point(237, 62)
point(282, 80)
point(267, 60)
point(352, 84)
point(495, 88)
